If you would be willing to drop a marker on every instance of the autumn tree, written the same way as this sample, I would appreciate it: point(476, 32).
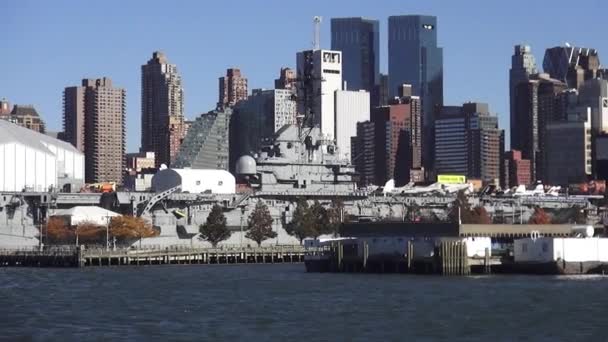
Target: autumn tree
point(334, 215)
point(539, 217)
point(259, 224)
point(481, 216)
point(320, 220)
point(90, 233)
point(215, 229)
point(301, 223)
point(461, 211)
point(57, 231)
point(129, 228)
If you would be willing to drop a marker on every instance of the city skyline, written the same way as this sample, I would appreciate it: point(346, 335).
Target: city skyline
point(476, 53)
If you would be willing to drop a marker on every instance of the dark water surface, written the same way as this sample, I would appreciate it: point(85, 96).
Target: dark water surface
point(282, 302)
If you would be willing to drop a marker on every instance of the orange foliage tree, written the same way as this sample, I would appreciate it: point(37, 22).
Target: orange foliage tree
point(56, 231)
point(91, 233)
point(129, 228)
point(539, 217)
point(481, 215)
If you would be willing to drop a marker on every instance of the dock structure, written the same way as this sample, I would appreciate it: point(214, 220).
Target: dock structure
point(448, 258)
point(80, 257)
point(427, 248)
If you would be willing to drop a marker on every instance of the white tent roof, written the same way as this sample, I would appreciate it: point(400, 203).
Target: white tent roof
point(88, 211)
point(10, 132)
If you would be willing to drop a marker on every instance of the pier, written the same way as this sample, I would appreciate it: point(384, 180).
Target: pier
point(82, 257)
point(448, 258)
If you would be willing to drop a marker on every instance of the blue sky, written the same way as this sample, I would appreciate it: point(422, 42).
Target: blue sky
point(48, 45)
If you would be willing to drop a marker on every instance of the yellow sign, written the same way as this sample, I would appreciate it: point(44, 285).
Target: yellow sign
point(451, 179)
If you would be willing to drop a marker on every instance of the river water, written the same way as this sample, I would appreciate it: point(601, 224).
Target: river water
point(282, 302)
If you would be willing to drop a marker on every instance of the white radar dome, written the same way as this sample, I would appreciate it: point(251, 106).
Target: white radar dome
point(246, 165)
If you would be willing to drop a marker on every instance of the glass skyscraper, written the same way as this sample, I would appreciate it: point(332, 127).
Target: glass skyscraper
point(414, 58)
point(358, 39)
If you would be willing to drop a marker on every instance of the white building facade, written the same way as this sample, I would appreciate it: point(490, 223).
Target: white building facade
point(320, 75)
point(350, 107)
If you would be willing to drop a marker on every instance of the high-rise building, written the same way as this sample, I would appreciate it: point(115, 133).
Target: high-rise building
point(233, 88)
point(94, 122)
point(258, 118)
point(569, 152)
point(351, 107)
point(162, 108)
point(363, 153)
point(207, 143)
point(27, 116)
point(523, 65)
point(414, 58)
point(594, 94)
point(535, 107)
point(320, 74)
point(379, 96)
point(74, 116)
point(516, 170)
point(469, 142)
point(600, 156)
point(572, 65)
point(286, 80)
point(359, 41)
point(389, 146)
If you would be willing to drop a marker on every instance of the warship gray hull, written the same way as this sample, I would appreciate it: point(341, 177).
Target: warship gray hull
point(298, 163)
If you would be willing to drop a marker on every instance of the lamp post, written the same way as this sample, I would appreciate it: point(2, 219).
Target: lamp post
point(108, 233)
point(242, 215)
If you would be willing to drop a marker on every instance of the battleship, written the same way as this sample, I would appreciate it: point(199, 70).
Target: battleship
point(297, 163)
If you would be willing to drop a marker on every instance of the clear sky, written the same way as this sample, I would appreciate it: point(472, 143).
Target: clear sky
point(48, 45)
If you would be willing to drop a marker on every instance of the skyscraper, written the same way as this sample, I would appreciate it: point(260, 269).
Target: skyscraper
point(388, 146)
point(94, 122)
point(74, 116)
point(594, 94)
point(162, 108)
point(358, 40)
point(523, 65)
point(572, 65)
point(568, 149)
point(233, 88)
point(320, 72)
point(351, 107)
point(414, 58)
point(469, 142)
point(534, 102)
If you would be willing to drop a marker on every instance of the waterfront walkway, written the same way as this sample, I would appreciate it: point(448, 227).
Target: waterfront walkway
point(83, 257)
